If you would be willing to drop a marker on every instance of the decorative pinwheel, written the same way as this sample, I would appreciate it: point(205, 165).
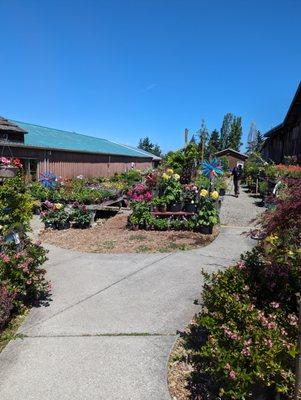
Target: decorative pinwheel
point(48, 180)
point(211, 168)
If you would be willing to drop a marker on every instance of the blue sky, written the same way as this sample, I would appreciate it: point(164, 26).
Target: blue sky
point(125, 69)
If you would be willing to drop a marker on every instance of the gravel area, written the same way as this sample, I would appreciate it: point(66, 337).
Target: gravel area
point(111, 236)
point(241, 211)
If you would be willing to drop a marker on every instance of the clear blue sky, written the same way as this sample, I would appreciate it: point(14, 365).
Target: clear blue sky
point(125, 69)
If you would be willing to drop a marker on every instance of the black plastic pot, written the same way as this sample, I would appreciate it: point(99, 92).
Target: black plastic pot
point(48, 224)
point(82, 226)
point(206, 230)
point(162, 208)
point(62, 225)
point(175, 207)
point(222, 192)
point(190, 207)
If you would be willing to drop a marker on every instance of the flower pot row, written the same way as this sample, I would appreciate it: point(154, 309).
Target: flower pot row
point(64, 225)
point(176, 207)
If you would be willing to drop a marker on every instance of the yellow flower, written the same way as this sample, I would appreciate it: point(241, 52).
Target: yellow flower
point(165, 176)
point(204, 193)
point(58, 206)
point(272, 239)
point(169, 171)
point(176, 177)
point(214, 195)
point(290, 253)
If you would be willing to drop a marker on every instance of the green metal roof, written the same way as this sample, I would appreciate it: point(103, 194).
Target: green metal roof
point(49, 138)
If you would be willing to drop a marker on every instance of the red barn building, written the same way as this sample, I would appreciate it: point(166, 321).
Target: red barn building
point(68, 154)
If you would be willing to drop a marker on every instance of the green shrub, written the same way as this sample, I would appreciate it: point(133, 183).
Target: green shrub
point(15, 205)
point(21, 272)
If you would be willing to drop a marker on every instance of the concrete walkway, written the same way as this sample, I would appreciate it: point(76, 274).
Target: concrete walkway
point(113, 320)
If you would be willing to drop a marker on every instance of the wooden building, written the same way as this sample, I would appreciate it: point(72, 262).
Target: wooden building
point(68, 154)
point(234, 157)
point(284, 141)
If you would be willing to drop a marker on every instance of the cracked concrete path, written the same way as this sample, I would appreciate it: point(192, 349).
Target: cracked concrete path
point(113, 319)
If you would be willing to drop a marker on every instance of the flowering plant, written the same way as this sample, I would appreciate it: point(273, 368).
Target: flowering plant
point(140, 192)
point(10, 162)
point(81, 215)
point(21, 272)
point(208, 214)
point(54, 213)
point(245, 346)
point(214, 195)
point(190, 193)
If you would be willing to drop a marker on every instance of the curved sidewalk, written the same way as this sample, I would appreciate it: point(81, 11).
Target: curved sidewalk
point(108, 332)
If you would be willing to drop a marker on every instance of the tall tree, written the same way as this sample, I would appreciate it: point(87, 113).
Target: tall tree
point(213, 143)
point(234, 138)
point(258, 141)
point(225, 131)
point(146, 145)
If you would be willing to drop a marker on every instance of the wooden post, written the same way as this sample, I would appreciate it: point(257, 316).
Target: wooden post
point(298, 360)
point(186, 136)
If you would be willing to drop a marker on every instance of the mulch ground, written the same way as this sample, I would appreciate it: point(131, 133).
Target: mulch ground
point(111, 236)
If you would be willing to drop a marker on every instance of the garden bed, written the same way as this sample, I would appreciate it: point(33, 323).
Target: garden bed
point(112, 236)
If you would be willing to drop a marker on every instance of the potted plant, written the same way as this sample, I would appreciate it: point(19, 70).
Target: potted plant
point(223, 187)
point(159, 204)
point(81, 216)
point(190, 195)
point(207, 217)
point(62, 220)
point(9, 167)
point(141, 215)
point(174, 195)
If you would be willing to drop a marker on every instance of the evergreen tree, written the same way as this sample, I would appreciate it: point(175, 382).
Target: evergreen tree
point(146, 145)
point(213, 143)
point(234, 138)
point(258, 141)
point(225, 131)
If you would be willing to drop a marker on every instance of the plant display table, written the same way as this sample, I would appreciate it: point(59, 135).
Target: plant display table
point(168, 214)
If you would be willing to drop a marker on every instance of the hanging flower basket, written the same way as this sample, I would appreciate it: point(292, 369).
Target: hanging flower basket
point(8, 171)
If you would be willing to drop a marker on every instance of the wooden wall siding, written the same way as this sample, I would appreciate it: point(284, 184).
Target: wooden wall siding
point(69, 165)
point(285, 144)
point(233, 161)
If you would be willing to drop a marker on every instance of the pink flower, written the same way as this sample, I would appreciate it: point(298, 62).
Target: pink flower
point(268, 343)
point(232, 375)
point(4, 258)
point(241, 265)
point(275, 305)
point(246, 351)
point(292, 319)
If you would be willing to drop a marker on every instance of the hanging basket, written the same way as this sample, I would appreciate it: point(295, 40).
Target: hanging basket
point(8, 172)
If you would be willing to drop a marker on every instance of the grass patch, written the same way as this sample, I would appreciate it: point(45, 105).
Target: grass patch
point(137, 237)
point(9, 332)
point(174, 246)
point(142, 249)
point(108, 244)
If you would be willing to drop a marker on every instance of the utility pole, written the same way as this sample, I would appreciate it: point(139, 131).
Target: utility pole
point(298, 359)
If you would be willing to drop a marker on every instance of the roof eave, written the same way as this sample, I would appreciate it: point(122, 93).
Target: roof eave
point(28, 146)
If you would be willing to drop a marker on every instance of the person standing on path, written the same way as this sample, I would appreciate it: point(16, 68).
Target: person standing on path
point(236, 172)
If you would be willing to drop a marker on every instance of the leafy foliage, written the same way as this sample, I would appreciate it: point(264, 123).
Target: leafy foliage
point(15, 205)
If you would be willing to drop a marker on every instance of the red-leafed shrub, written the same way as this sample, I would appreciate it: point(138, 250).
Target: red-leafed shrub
point(6, 305)
point(286, 217)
